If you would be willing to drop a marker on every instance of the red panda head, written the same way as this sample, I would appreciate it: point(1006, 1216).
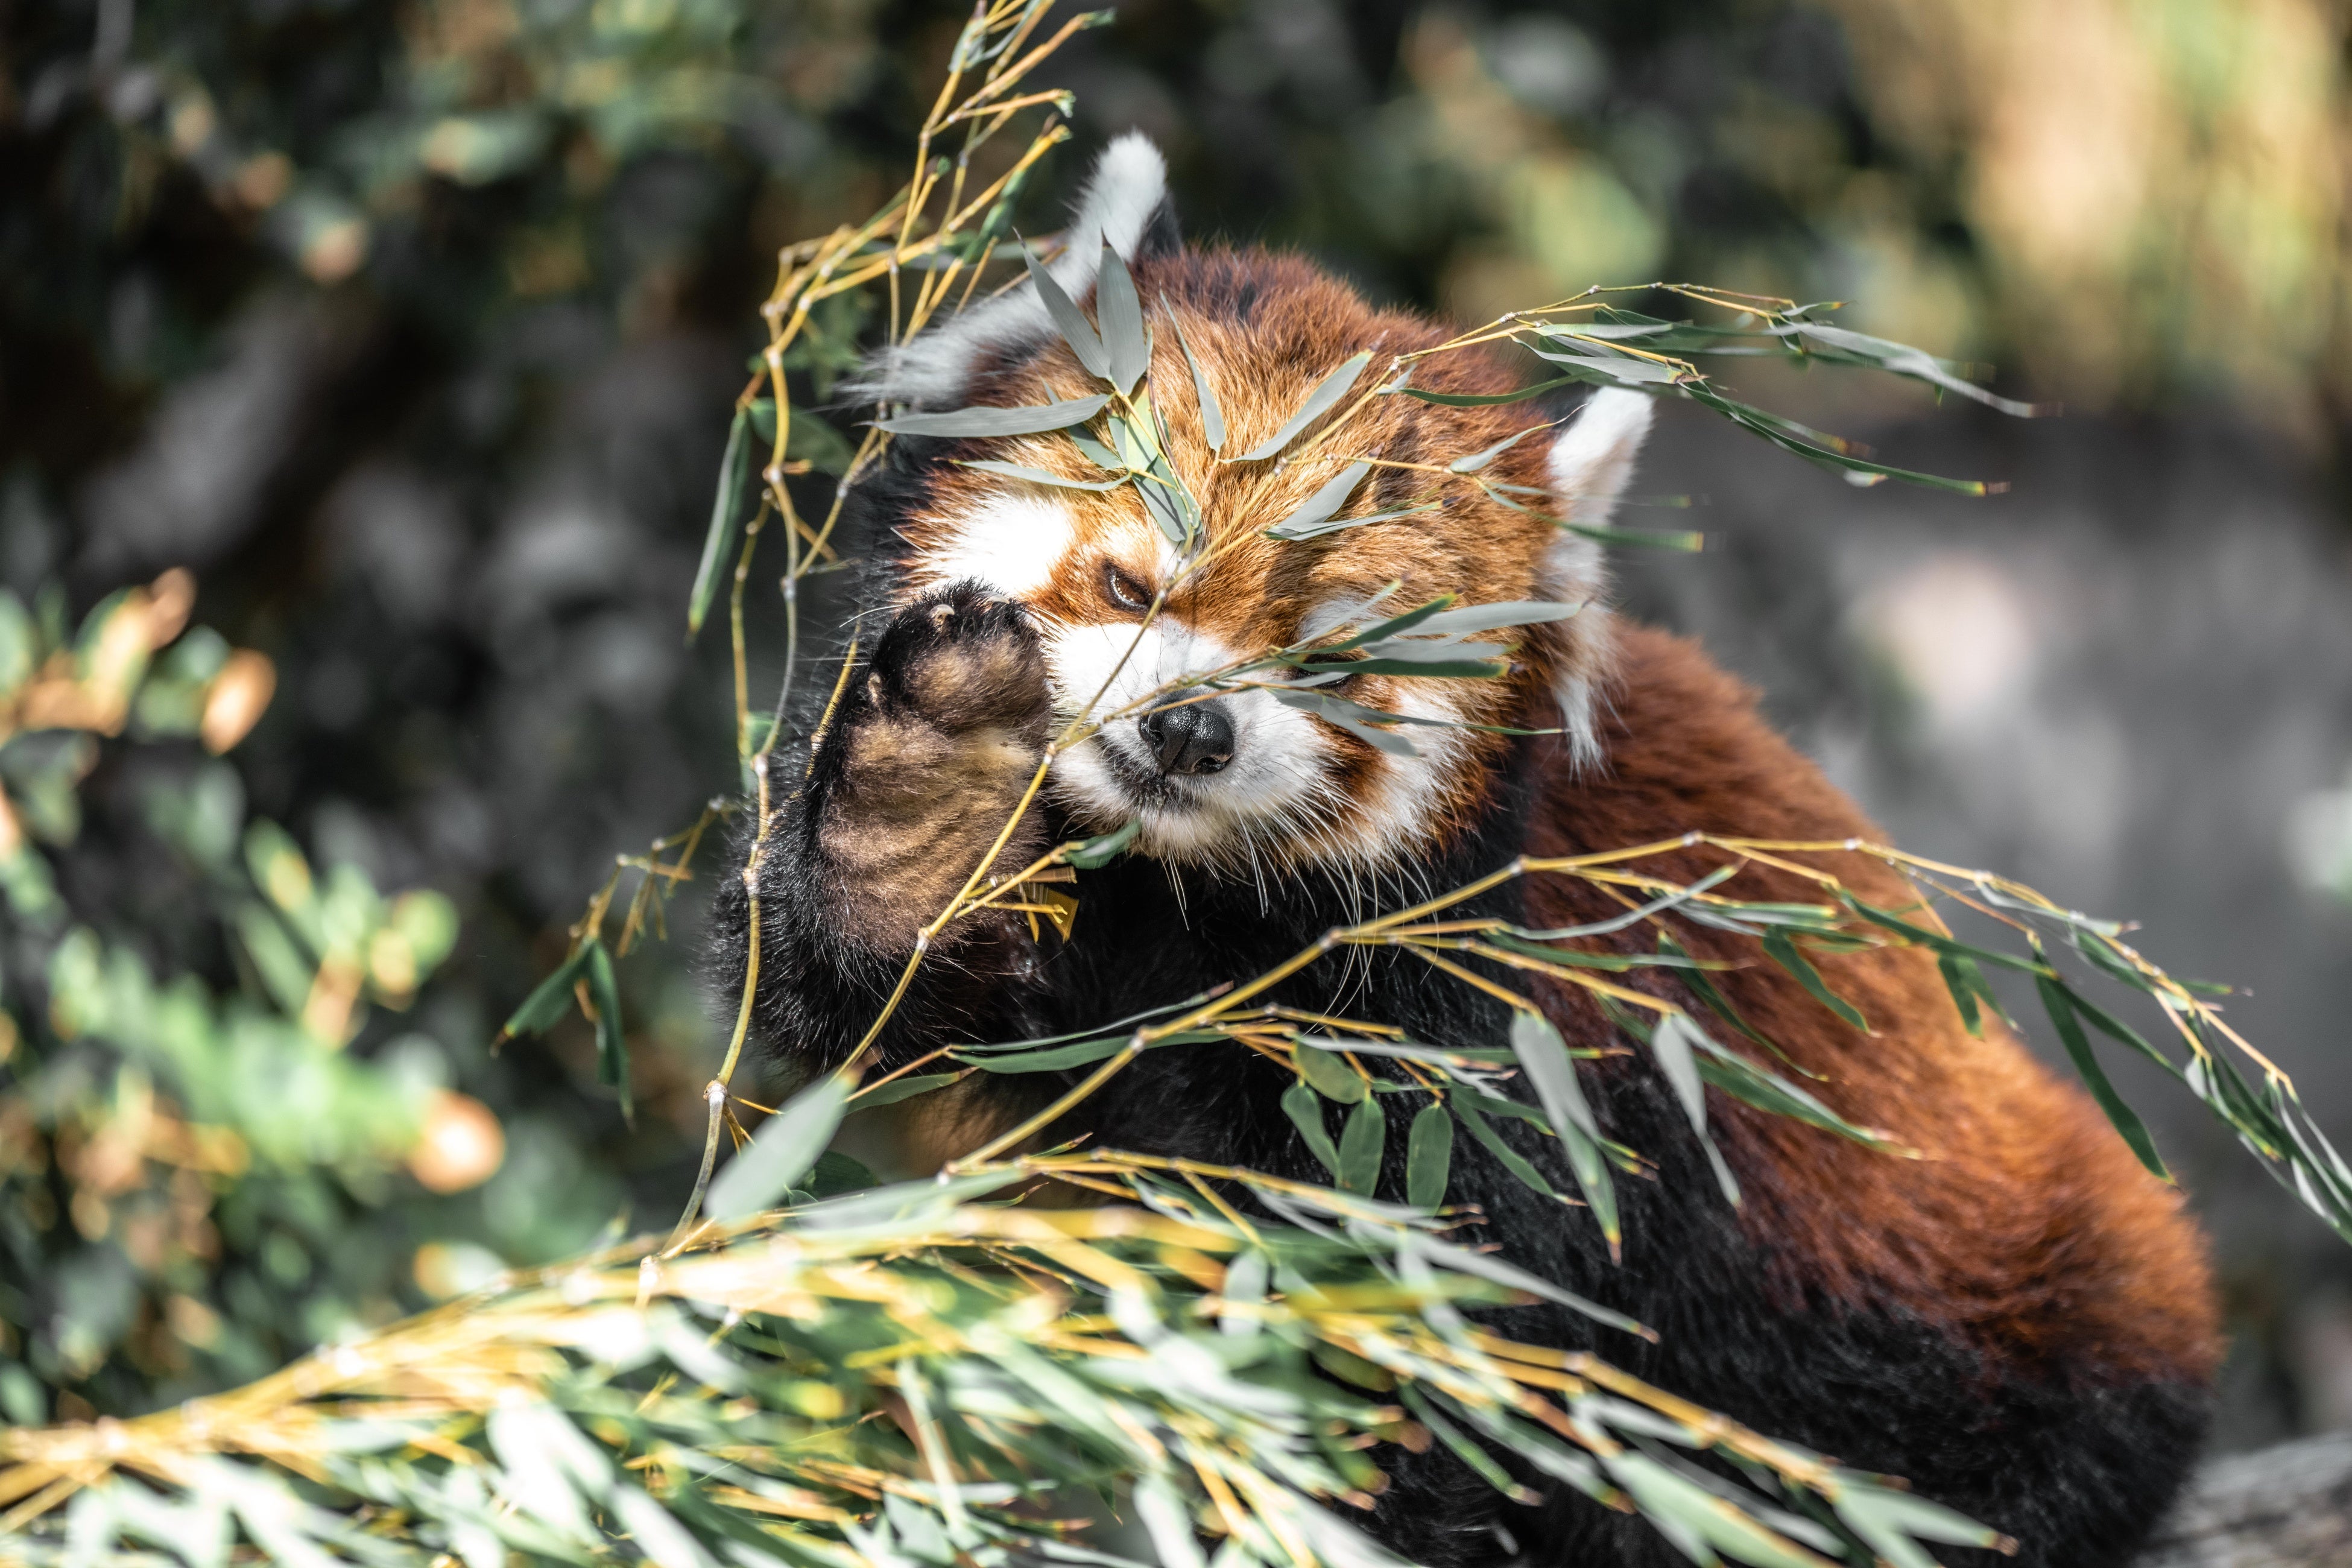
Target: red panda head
point(1239, 780)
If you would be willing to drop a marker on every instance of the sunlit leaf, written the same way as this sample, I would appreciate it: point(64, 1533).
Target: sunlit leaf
point(1329, 1076)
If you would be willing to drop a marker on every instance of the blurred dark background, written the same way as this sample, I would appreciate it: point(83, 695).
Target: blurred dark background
point(412, 330)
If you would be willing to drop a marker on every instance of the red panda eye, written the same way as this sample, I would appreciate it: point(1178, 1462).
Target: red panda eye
point(1123, 591)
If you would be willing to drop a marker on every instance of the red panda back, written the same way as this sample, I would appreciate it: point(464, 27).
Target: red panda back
point(2026, 1228)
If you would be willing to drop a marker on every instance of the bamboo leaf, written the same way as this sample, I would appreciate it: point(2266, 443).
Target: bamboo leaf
point(782, 1150)
point(611, 1044)
point(1041, 476)
point(1319, 402)
point(1783, 950)
point(1329, 1076)
point(1068, 319)
point(1304, 1109)
point(1362, 1140)
point(1103, 848)
point(1295, 531)
point(1477, 460)
point(2059, 1003)
point(1212, 418)
point(551, 997)
point(725, 516)
point(989, 420)
point(1124, 338)
point(1671, 1043)
point(1317, 509)
point(1428, 1157)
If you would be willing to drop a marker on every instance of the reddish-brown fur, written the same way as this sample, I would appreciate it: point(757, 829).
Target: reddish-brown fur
point(2026, 1227)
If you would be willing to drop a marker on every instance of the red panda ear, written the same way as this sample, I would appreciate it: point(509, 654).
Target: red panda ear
point(1124, 205)
point(1594, 458)
point(1590, 463)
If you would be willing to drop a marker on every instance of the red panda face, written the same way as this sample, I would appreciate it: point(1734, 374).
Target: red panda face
point(1221, 771)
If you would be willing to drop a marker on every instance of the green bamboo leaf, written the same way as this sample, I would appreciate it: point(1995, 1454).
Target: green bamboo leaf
point(1472, 1116)
point(1305, 1109)
point(1362, 1140)
point(1068, 319)
point(1495, 616)
point(611, 1044)
point(726, 515)
point(1329, 1076)
point(1891, 1522)
point(1967, 983)
point(1420, 669)
point(900, 1088)
point(1040, 476)
point(835, 1173)
point(1486, 1266)
point(1687, 541)
point(1294, 530)
point(1485, 399)
point(1543, 1057)
point(1124, 337)
point(1477, 460)
point(1317, 507)
point(2059, 1003)
point(1212, 418)
point(1745, 1081)
point(1827, 451)
point(1053, 1058)
point(989, 420)
point(550, 998)
point(1480, 1462)
point(2123, 1034)
point(1673, 1044)
point(1837, 343)
point(1428, 1157)
point(783, 1150)
point(1783, 950)
point(1395, 626)
point(1103, 848)
point(1319, 402)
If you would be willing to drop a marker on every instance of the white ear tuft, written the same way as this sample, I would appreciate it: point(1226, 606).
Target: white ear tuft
point(1129, 182)
point(1594, 458)
point(1590, 465)
point(1122, 195)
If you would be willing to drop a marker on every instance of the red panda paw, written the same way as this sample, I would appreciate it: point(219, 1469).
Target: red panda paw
point(938, 743)
point(960, 661)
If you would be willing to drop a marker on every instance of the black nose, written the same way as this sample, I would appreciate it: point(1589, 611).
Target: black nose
point(1195, 738)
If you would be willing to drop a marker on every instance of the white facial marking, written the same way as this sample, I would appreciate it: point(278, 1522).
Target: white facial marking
point(1276, 804)
point(1009, 543)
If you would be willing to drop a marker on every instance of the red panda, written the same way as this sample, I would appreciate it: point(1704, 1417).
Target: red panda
point(2020, 1320)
